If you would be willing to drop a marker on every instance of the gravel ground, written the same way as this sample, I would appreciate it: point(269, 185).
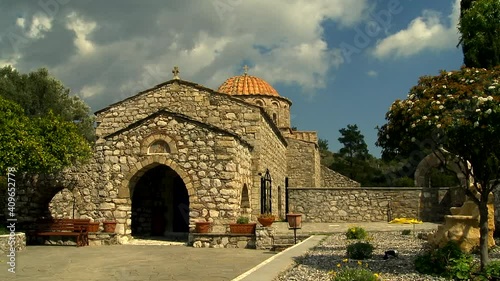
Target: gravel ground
point(316, 264)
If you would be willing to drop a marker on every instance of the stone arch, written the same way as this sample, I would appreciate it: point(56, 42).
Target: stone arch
point(431, 161)
point(259, 102)
point(160, 139)
point(132, 179)
point(143, 166)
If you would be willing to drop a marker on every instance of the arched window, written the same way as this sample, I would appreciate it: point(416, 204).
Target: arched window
point(259, 103)
point(275, 118)
point(245, 200)
point(159, 146)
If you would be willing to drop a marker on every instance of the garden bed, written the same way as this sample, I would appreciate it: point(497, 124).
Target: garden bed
point(330, 255)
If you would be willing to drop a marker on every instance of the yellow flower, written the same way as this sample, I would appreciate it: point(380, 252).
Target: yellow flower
point(338, 265)
point(345, 260)
point(376, 275)
point(360, 263)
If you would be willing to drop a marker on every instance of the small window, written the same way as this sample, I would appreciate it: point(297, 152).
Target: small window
point(245, 200)
point(159, 146)
point(259, 103)
point(275, 118)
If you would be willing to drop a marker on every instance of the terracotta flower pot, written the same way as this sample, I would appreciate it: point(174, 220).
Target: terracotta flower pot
point(266, 221)
point(294, 220)
point(242, 228)
point(93, 227)
point(203, 227)
point(109, 226)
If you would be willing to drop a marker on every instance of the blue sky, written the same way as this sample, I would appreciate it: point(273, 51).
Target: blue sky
point(105, 51)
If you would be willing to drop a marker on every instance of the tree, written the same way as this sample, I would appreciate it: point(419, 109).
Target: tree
point(354, 143)
point(353, 159)
point(457, 115)
point(480, 32)
point(42, 144)
point(323, 145)
point(38, 93)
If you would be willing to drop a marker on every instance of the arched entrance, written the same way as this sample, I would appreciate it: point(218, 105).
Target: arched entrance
point(160, 203)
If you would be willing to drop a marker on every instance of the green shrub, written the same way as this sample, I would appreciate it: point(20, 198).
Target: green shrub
point(406, 232)
point(356, 232)
point(346, 273)
point(355, 274)
point(360, 250)
point(490, 272)
point(460, 268)
point(242, 220)
point(448, 261)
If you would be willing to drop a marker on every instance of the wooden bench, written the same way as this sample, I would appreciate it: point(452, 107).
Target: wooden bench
point(64, 227)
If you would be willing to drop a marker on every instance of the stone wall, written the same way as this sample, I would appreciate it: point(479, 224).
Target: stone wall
point(371, 204)
point(330, 178)
point(18, 242)
point(222, 240)
point(301, 158)
point(212, 163)
point(272, 156)
point(214, 142)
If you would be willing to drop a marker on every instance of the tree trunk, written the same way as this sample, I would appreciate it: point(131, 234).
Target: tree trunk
point(483, 231)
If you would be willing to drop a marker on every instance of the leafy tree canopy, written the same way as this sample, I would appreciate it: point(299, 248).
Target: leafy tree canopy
point(480, 33)
point(47, 130)
point(354, 143)
point(457, 115)
point(38, 93)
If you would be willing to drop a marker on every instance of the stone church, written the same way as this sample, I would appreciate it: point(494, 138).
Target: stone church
point(180, 152)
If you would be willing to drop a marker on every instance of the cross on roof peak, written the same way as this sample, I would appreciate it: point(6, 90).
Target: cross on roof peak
point(175, 71)
point(245, 69)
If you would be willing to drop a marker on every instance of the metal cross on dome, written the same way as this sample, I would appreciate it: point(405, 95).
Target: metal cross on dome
point(245, 68)
point(176, 72)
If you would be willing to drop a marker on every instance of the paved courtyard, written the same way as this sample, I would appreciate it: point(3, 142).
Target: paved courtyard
point(131, 263)
point(168, 262)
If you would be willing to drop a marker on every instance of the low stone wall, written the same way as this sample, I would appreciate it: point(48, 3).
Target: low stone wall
point(330, 178)
point(95, 239)
point(222, 240)
point(355, 204)
point(19, 244)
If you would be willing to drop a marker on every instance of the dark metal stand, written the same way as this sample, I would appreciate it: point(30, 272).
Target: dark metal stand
point(294, 233)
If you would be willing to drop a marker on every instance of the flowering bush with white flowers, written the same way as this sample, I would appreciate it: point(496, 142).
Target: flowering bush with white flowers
point(458, 113)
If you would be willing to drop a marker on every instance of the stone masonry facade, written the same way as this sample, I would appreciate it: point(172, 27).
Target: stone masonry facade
point(205, 153)
point(219, 145)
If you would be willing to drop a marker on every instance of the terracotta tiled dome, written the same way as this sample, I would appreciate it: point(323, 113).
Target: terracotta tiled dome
point(247, 85)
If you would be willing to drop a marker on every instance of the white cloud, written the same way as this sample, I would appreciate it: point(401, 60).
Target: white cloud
point(120, 50)
point(40, 24)
point(20, 22)
point(82, 29)
point(427, 32)
point(90, 91)
point(372, 73)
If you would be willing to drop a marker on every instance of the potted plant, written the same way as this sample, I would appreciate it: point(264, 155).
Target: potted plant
point(203, 226)
point(242, 226)
point(266, 219)
point(110, 225)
